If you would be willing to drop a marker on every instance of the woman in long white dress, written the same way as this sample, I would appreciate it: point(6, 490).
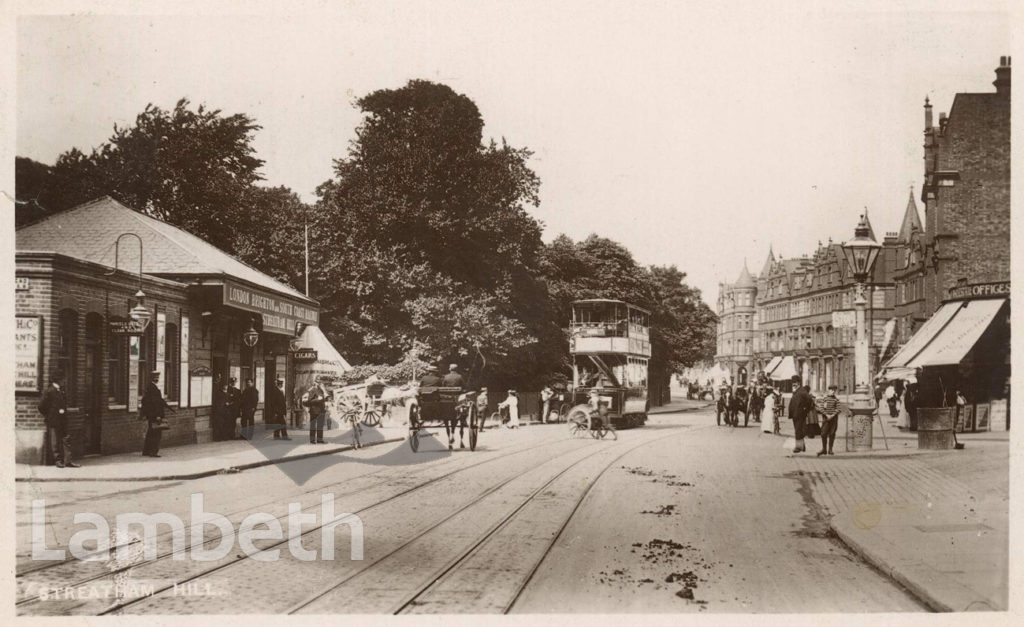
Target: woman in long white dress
point(902, 417)
point(768, 413)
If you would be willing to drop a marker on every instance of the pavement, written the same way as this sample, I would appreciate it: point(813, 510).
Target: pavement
point(203, 460)
point(937, 522)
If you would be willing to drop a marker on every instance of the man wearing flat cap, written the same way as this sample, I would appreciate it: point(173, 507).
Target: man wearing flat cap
point(453, 379)
point(152, 411)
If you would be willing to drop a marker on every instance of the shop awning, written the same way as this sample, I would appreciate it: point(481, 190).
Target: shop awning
point(960, 334)
point(328, 361)
point(785, 370)
point(923, 337)
point(773, 364)
point(893, 374)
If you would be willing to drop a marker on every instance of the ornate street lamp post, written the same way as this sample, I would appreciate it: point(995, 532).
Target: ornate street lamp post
point(861, 253)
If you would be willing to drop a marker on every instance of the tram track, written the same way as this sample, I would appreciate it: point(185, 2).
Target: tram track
point(322, 601)
point(103, 572)
point(166, 590)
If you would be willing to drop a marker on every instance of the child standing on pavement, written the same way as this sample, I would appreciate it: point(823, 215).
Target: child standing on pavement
point(828, 407)
point(512, 404)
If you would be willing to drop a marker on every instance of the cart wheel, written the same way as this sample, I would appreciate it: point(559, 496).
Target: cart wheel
point(473, 427)
point(371, 418)
point(577, 419)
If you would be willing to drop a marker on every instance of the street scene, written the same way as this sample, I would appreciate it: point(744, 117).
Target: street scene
point(617, 309)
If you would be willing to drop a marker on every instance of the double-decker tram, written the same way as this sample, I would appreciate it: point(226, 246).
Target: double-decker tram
point(610, 345)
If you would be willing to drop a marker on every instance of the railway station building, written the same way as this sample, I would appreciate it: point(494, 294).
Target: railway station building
point(78, 276)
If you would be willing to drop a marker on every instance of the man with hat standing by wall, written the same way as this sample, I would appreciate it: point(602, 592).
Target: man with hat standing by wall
point(54, 408)
point(277, 410)
point(250, 401)
point(152, 410)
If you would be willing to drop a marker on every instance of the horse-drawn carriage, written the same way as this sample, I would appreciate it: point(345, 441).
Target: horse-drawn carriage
point(448, 407)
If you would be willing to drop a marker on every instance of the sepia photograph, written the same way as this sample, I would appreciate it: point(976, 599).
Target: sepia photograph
point(529, 308)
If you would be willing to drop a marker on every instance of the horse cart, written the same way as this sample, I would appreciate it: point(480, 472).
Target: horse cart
point(447, 407)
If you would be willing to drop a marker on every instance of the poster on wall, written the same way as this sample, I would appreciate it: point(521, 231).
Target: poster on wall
point(236, 374)
point(28, 354)
point(161, 349)
point(201, 391)
point(133, 373)
point(982, 417)
point(183, 395)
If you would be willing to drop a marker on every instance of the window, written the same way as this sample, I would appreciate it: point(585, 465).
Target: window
point(67, 352)
point(117, 368)
point(171, 357)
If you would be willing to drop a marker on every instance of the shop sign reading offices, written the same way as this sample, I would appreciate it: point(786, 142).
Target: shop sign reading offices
point(279, 315)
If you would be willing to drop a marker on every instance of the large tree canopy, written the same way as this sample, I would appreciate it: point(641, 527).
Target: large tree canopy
point(191, 168)
point(423, 234)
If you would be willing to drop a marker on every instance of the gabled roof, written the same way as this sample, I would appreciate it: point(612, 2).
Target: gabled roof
point(90, 231)
point(871, 230)
point(911, 220)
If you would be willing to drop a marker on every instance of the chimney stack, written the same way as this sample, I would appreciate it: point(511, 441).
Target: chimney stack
point(1002, 81)
point(927, 115)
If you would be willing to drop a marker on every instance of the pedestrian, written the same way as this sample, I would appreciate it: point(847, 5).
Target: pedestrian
point(316, 401)
point(152, 411)
point(891, 400)
point(961, 406)
point(511, 404)
point(219, 416)
point(799, 406)
point(910, 400)
point(903, 420)
point(545, 397)
point(453, 379)
point(250, 401)
point(54, 407)
point(723, 405)
point(829, 410)
point(768, 411)
point(756, 403)
point(740, 406)
point(233, 405)
point(277, 410)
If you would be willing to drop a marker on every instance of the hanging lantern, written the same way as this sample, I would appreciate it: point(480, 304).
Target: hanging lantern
point(251, 336)
point(139, 313)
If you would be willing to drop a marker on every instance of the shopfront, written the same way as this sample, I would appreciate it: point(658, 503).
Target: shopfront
point(964, 347)
point(207, 318)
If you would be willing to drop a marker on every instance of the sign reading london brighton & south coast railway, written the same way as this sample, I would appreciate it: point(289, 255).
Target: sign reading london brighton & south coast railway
point(280, 315)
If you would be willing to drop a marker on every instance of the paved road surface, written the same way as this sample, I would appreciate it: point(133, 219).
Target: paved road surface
point(680, 516)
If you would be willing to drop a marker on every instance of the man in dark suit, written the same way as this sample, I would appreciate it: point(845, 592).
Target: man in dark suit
point(54, 408)
point(799, 406)
point(233, 408)
point(152, 410)
point(250, 400)
point(277, 410)
point(316, 401)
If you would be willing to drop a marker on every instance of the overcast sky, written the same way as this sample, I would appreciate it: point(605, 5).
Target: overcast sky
point(694, 133)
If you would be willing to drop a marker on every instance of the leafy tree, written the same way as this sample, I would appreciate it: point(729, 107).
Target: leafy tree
point(192, 168)
point(423, 235)
point(273, 239)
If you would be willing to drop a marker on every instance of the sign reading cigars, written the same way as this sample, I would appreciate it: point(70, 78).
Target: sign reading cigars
point(279, 314)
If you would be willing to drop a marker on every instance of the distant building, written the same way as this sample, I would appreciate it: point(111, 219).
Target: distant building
point(798, 332)
point(737, 324)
